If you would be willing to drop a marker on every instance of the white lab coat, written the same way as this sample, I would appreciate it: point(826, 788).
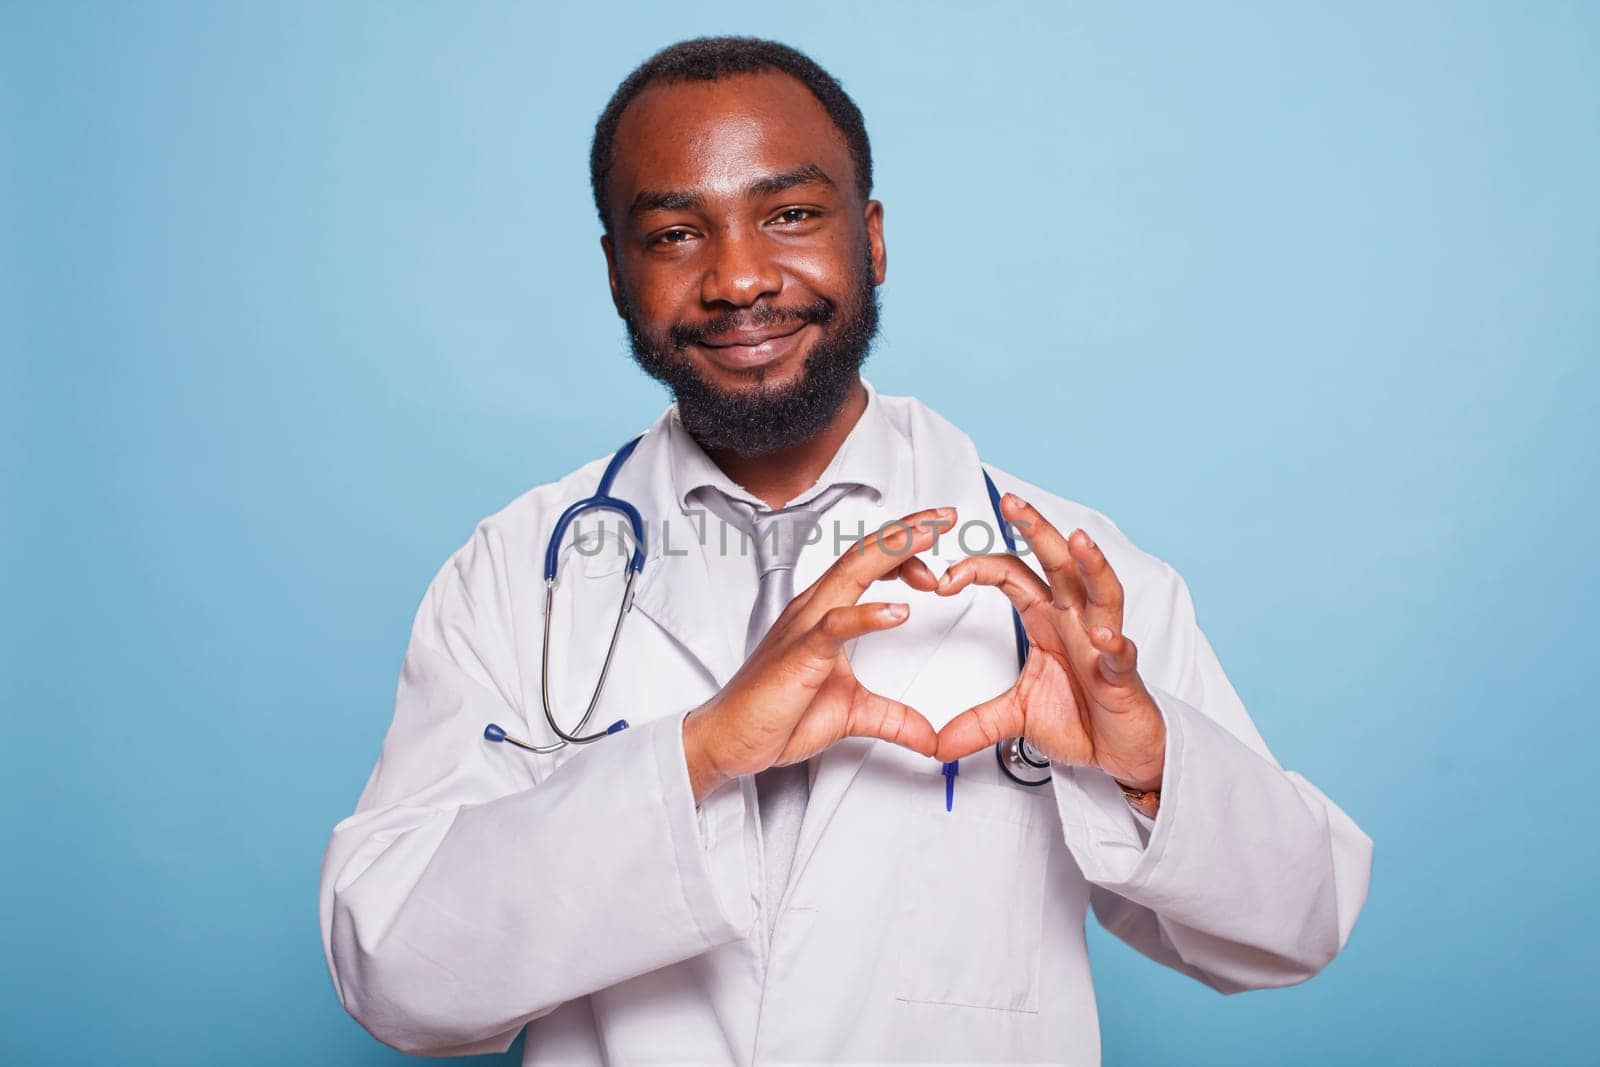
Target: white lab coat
point(478, 888)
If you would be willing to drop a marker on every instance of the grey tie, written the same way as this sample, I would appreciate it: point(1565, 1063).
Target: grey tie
point(781, 792)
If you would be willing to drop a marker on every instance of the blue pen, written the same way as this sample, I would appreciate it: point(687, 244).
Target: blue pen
point(950, 770)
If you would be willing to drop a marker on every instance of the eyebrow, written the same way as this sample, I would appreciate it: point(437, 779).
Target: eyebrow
point(683, 200)
point(810, 174)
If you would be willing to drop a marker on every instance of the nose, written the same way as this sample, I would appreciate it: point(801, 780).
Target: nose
point(741, 272)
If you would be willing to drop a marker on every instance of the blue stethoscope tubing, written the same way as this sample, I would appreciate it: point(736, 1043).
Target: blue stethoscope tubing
point(1025, 765)
point(1019, 760)
point(602, 500)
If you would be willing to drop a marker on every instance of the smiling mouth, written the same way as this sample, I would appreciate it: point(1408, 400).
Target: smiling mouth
point(757, 348)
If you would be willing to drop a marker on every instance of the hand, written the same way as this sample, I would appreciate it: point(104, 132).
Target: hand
point(796, 695)
point(1079, 699)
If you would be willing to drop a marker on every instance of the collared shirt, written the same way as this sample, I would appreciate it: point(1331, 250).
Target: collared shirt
point(866, 458)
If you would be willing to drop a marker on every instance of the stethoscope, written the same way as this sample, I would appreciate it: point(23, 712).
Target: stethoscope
point(1018, 759)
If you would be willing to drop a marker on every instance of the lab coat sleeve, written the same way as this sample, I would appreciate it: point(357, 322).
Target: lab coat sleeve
point(1249, 876)
point(464, 898)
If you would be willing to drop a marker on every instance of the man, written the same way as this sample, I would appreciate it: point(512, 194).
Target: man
point(771, 863)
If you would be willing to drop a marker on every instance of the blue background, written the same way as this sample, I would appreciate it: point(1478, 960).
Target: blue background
point(1303, 296)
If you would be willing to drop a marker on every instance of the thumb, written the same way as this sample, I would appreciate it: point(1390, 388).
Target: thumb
point(981, 726)
point(890, 720)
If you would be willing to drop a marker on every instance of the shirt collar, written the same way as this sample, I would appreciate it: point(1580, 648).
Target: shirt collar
point(866, 457)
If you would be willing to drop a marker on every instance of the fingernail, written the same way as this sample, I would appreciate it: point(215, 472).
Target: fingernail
point(1103, 634)
point(897, 611)
point(1016, 501)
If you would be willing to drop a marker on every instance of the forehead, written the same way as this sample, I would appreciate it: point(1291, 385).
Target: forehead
point(713, 136)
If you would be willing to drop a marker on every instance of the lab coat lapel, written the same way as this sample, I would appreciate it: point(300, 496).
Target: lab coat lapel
point(936, 465)
point(674, 590)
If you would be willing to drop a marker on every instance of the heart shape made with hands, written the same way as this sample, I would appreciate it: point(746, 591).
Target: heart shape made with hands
point(1079, 698)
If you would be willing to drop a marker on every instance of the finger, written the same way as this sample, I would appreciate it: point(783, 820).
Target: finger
point(1102, 589)
point(889, 720)
point(838, 625)
point(916, 574)
point(1055, 558)
point(1118, 659)
point(1078, 645)
point(1028, 594)
point(1002, 570)
point(872, 558)
point(980, 726)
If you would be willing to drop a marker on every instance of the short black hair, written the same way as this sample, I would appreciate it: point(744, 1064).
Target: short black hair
point(712, 58)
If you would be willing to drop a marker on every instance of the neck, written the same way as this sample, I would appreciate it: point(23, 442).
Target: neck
point(778, 477)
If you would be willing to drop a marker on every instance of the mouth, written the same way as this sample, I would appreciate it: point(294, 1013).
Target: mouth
point(749, 349)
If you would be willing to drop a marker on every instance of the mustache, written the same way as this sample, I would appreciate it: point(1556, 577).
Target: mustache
point(760, 316)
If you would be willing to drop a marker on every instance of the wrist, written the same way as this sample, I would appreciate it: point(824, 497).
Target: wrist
point(1141, 763)
point(1145, 801)
point(1147, 781)
point(705, 774)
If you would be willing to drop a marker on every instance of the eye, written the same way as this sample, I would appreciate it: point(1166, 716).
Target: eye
point(671, 237)
point(794, 215)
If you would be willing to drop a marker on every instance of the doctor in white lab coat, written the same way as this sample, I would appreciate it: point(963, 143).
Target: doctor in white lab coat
point(609, 897)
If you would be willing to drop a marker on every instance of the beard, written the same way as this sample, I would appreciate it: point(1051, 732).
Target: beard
point(763, 419)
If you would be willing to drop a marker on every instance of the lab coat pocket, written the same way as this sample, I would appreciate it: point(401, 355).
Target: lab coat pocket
point(972, 898)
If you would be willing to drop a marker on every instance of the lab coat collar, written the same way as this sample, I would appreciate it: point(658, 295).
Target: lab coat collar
point(865, 458)
point(675, 589)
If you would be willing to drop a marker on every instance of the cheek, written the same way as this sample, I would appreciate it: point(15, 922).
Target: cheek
point(826, 270)
point(661, 293)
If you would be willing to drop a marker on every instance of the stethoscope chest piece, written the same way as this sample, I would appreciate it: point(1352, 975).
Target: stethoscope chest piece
point(1021, 762)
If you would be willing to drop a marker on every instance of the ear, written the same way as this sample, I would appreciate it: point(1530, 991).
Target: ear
point(873, 217)
point(611, 272)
